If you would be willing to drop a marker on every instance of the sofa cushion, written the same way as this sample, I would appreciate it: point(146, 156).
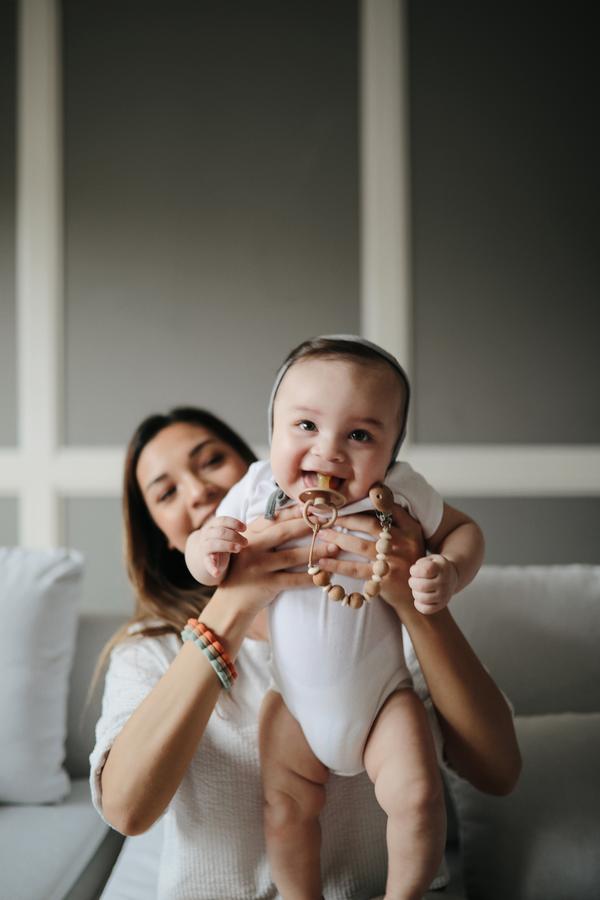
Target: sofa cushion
point(537, 629)
point(39, 595)
point(541, 842)
point(47, 849)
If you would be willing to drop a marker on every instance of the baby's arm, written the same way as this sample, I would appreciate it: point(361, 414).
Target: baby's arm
point(457, 548)
point(208, 550)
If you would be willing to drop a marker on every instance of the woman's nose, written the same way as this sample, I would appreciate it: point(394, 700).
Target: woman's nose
point(198, 491)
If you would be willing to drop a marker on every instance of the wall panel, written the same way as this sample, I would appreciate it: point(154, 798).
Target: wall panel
point(211, 202)
point(506, 187)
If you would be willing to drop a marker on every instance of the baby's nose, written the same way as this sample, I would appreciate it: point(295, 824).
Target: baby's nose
point(331, 448)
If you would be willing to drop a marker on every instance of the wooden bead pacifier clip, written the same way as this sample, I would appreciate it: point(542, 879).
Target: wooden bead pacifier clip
point(324, 500)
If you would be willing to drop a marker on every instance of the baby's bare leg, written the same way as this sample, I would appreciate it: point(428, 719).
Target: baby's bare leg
point(294, 793)
point(400, 760)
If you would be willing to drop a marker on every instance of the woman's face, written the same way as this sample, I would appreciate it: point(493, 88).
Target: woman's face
point(183, 474)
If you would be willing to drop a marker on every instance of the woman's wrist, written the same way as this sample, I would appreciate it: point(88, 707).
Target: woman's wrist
point(228, 618)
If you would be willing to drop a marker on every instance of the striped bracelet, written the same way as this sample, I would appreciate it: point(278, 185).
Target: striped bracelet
point(213, 649)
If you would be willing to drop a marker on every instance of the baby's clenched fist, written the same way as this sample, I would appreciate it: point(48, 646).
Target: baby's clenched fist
point(433, 581)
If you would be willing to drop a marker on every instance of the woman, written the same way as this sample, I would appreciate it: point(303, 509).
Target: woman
point(167, 740)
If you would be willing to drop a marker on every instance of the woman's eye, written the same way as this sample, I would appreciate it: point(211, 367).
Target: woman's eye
point(215, 460)
point(359, 434)
point(166, 495)
point(307, 425)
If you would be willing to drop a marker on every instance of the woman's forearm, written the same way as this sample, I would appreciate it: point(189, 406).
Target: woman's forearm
point(478, 728)
point(150, 756)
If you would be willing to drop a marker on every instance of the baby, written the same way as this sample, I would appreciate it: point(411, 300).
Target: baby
point(341, 697)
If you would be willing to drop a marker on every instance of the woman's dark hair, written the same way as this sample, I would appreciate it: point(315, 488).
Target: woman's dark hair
point(166, 595)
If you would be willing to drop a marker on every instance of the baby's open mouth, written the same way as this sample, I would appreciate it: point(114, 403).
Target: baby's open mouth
point(312, 480)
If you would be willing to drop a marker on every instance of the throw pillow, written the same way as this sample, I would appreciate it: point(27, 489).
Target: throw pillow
point(541, 842)
point(39, 594)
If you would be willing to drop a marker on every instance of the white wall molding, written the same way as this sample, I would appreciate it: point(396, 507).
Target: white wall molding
point(39, 234)
point(469, 470)
point(509, 470)
point(385, 305)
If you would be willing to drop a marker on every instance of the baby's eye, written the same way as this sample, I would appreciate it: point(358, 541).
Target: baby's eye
point(359, 434)
point(307, 425)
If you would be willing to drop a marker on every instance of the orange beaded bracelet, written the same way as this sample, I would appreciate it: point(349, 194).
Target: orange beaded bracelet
point(204, 638)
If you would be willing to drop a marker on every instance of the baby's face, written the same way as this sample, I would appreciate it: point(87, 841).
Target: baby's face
point(338, 418)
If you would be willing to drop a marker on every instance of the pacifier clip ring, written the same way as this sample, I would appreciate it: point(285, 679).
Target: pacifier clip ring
point(324, 499)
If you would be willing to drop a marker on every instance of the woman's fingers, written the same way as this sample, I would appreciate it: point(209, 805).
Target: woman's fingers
point(349, 567)
point(280, 532)
point(365, 522)
point(348, 542)
point(283, 515)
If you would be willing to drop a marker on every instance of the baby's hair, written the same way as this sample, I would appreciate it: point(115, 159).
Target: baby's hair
point(350, 349)
point(337, 348)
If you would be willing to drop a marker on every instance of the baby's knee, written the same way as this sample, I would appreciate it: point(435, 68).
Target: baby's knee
point(421, 799)
point(286, 807)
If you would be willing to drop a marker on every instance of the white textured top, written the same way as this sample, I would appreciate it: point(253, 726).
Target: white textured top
point(213, 845)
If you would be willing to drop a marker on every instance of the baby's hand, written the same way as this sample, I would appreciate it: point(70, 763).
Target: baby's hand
point(433, 580)
point(207, 550)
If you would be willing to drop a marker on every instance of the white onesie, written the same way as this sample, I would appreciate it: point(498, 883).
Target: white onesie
point(335, 666)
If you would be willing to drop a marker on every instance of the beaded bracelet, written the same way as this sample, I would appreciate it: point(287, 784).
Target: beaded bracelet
point(200, 628)
point(213, 650)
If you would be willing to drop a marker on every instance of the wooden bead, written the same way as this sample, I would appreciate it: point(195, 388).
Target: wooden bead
point(313, 570)
point(380, 567)
point(356, 600)
point(371, 588)
point(382, 498)
point(321, 579)
point(336, 592)
point(383, 545)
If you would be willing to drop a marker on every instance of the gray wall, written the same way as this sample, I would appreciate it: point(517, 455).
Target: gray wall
point(93, 525)
point(506, 190)
point(8, 521)
point(211, 192)
point(536, 530)
point(8, 381)
point(506, 274)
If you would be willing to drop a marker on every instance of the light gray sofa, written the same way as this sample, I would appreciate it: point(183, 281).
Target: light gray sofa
point(538, 631)
point(64, 850)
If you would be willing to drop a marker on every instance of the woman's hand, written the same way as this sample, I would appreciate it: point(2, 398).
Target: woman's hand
point(261, 571)
point(407, 547)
